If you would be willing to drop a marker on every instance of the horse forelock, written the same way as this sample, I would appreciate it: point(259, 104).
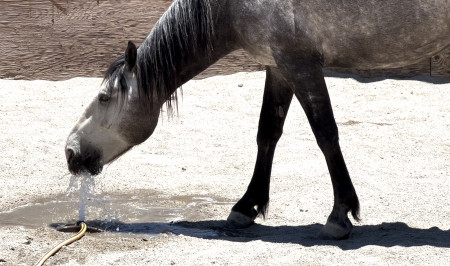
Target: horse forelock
point(114, 76)
point(114, 71)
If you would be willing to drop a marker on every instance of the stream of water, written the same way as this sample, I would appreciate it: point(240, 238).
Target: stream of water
point(86, 184)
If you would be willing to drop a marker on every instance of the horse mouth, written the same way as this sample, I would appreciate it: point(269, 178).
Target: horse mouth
point(88, 163)
point(77, 169)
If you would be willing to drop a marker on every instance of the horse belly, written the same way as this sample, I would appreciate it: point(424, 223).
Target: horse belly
point(381, 51)
point(380, 34)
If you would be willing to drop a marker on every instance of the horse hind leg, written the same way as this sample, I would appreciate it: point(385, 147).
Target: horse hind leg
point(310, 89)
point(276, 101)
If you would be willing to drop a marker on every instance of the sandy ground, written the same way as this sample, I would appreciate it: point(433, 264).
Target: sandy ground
point(395, 135)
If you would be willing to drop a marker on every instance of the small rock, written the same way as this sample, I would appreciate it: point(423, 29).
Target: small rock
point(29, 239)
point(240, 85)
point(2, 260)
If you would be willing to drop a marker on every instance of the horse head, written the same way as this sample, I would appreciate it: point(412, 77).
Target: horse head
point(117, 119)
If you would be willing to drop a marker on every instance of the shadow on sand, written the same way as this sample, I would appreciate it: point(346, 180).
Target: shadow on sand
point(385, 234)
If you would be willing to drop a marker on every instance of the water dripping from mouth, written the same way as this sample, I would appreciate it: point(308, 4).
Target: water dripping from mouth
point(86, 184)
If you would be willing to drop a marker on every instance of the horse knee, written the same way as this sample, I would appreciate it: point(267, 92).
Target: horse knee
point(327, 139)
point(268, 138)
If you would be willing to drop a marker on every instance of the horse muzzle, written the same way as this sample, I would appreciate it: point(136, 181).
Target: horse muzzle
point(83, 160)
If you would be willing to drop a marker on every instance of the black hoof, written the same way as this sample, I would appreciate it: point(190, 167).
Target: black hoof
point(336, 231)
point(237, 220)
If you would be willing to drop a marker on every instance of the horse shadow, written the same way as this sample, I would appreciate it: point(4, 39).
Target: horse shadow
point(385, 234)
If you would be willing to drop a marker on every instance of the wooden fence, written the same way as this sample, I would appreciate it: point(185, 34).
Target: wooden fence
point(60, 39)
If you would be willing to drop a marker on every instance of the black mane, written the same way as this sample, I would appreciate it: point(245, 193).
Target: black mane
point(184, 31)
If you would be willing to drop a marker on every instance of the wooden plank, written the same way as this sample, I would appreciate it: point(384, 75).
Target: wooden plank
point(43, 39)
point(73, 38)
point(60, 39)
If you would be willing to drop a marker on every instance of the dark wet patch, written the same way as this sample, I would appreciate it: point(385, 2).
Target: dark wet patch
point(142, 212)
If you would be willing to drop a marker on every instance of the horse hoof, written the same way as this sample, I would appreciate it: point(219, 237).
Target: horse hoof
point(336, 231)
point(237, 220)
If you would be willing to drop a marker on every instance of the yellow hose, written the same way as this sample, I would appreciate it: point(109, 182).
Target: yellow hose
point(79, 235)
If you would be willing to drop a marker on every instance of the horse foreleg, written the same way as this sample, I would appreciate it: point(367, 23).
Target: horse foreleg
point(310, 89)
point(276, 101)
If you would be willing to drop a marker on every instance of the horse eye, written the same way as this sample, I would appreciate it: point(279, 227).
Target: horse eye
point(103, 98)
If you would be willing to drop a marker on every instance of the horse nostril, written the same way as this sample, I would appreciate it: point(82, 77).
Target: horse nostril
point(69, 154)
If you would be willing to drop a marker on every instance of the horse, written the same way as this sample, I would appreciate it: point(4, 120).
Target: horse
point(296, 40)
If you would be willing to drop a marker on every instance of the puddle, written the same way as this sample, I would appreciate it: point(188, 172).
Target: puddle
point(142, 212)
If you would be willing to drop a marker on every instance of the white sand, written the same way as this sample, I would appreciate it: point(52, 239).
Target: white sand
point(395, 136)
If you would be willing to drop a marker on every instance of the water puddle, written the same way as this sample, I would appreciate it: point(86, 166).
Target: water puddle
point(140, 212)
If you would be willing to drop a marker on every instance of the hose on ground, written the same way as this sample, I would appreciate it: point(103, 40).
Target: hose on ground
point(52, 252)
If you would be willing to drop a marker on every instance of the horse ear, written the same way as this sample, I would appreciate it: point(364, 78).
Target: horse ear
point(131, 55)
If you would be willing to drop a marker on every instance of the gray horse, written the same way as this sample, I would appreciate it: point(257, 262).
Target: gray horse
point(295, 40)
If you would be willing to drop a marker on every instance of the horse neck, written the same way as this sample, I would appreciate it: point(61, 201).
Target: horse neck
point(184, 42)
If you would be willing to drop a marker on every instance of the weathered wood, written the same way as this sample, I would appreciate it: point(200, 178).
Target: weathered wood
point(72, 38)
point(56, 39)
point(50, 39)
